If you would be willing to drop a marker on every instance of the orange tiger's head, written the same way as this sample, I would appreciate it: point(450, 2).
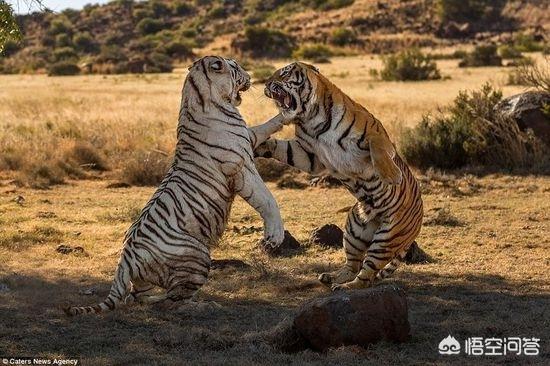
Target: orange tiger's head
point(293, 88)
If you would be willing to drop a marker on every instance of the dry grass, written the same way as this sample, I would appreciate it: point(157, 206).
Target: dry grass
point(489, 275)
point(121, 117)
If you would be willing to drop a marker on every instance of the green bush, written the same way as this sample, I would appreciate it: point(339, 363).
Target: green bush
point(63, 40)
point(468, 10)
point(471, 134)
point(509, 52)
point(318, 53)
point(409, 65)
point(84, 42)
point(343, 37)
point(65, 54)
point(527, 43)
point(149, 26)
point(159, 8)
point(328, 4)
point(140, 14)
point(217, 12)
point(184, 9)
point(262, 72)
point(179, 49)
point(264, 42)
point(111, 53)
point(483, 55)
point(11, 47)
point(158, 62)
point(63, 68)
point(60, 25)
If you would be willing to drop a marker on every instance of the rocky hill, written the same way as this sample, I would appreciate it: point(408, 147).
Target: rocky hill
point(150, 36)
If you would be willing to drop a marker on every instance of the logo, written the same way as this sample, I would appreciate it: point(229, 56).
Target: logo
point(449, 346)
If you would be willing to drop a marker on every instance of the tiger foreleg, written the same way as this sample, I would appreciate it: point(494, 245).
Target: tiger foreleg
point(259, 134)
point(255, 193)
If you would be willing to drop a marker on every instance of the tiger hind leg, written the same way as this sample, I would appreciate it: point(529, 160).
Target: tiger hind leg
point(387, 245)
point(388, 270)
point(357, 237)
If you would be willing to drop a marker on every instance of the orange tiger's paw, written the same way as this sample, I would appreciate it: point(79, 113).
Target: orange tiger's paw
point(355, 284)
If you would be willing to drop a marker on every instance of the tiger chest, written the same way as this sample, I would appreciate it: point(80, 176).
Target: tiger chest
point(341, 157)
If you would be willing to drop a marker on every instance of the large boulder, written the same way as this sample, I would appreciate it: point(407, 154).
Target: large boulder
point(527, 110)
point(360, 317)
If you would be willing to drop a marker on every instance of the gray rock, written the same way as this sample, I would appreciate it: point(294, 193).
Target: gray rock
point(526, 110)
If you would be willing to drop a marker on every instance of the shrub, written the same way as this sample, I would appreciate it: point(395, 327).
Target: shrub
point(111, 53)
point(84, 42)
point(159, 8)
point(85, 155)
point(328, 4)
point(483, 55)
point(343, 37)
point(149, 26)
point(527, 43)
point(184, 9)
point(63, 40)
point(315, 52)
point(262, 72)
point(11, 47)
point(145, 169)
point(264, 42)
point(409, 65)
point(530, 74)
point(158, 62)
point(467, 10)
point(142, 13)
point(217, 12)
point(472, 133)
point(65, 54)
point(179, 49)
point(63, 68)
point(509, 52)
point(60, 25)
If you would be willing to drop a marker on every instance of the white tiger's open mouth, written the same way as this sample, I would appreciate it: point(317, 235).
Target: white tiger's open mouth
point(241, 89)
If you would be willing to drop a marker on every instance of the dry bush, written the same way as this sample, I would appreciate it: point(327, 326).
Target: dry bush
point(85, 155)
point(532, 75)
point(473, 134)
point(146, 169)
point(443, 217)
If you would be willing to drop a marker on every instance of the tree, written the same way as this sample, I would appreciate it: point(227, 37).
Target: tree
point(9, 30)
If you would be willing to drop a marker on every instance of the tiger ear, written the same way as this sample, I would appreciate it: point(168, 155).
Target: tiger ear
point(382, 153)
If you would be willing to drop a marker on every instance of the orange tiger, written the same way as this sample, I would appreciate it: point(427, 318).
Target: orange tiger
point(336, 135)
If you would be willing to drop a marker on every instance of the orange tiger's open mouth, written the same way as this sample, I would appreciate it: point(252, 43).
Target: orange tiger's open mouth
point(282, 98)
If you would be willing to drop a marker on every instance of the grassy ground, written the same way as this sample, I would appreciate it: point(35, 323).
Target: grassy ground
point(488, 238)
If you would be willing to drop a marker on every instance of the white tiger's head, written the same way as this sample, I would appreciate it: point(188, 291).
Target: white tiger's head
point(220, 79)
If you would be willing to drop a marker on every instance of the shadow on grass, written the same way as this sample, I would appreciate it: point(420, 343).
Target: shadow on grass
point(31, 323)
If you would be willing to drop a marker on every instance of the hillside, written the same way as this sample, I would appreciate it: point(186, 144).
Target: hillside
point(150, 36)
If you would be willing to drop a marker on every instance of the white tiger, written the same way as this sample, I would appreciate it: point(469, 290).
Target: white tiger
point(168, 246)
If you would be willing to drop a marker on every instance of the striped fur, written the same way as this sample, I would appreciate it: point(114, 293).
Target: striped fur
point(168, 245)
point(336, 135)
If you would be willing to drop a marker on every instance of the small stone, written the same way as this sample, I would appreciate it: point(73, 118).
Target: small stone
point(329, 235)
point(87, 292)
point(288, 247)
